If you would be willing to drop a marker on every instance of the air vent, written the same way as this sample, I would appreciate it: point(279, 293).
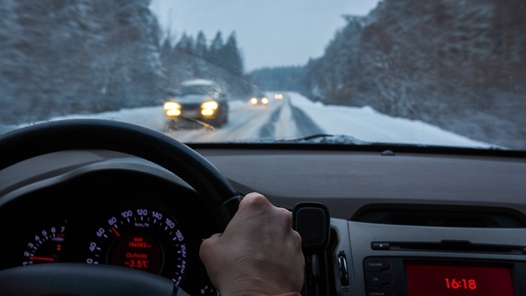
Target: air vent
point(457, 246)
point(468, 217)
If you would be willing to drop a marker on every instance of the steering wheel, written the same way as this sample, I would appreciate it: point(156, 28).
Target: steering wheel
point(83, 279)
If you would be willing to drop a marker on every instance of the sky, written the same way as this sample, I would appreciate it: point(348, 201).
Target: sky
point(269, 32)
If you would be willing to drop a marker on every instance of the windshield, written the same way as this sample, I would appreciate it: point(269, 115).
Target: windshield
point(196, 90)
point(411, 72)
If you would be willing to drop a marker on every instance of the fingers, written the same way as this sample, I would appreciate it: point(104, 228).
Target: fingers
point(258, 231)
point(254, 200)
point(206, 245)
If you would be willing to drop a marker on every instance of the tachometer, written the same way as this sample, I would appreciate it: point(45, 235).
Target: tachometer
point(46, 246)
point(144, 239)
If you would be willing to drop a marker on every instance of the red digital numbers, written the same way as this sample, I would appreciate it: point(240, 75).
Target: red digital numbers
point(458, 279)
point(137, 264)
point(470, 284)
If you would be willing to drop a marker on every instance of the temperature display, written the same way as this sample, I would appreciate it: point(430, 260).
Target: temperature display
point(456, 279)
point(138, 251)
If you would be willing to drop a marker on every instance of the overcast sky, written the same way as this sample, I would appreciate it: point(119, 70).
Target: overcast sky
point(269, 32)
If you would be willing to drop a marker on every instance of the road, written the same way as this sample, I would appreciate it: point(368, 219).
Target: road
point(295, 117)
point(278, 120)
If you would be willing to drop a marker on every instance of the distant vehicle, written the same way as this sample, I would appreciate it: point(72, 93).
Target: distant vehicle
point(259, 98)
point(198, 99)
point(278, 96)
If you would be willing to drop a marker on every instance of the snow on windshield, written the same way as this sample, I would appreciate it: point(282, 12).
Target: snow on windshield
point(438, 72)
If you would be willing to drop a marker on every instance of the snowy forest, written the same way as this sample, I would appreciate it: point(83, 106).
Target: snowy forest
point(220, 61)
point(86, 56)
point(458, 64)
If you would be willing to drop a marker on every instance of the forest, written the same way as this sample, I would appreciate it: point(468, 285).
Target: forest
point(115, 58)
point(458, 64)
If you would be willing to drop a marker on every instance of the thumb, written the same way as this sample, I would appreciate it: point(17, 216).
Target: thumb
point(207, 244)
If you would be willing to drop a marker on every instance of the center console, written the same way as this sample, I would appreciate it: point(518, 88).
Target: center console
point(397, 260)
point(386, 276)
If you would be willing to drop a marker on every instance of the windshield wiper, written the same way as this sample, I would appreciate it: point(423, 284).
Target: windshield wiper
point(350, 140)
point(328, 139)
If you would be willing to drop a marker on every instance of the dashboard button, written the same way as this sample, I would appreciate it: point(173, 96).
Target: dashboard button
point(380, 246)
point(377, 292)
point(375, 264)
point(376, 279)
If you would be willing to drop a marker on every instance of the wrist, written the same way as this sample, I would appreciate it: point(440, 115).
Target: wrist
point(286, 294)
point(255, 286)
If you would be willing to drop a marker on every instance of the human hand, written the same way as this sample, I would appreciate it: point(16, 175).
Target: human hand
point(259, 252)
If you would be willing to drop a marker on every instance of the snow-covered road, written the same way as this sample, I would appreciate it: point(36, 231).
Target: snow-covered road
point(294, 117)
point(278, 120)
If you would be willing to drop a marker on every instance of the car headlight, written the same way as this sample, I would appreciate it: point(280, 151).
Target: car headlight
point(208, 108)
point(172, 109)
point(207, 112)
point(210, 105)
point(171, 106)
point(264, 101)
point(253, 101)
point(173, 112)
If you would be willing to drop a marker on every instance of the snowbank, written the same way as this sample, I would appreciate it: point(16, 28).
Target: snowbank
point(367, 124)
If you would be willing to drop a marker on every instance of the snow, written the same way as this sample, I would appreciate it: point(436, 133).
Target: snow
point(245, 123)
point(150, 117)
point(367, 124)
point(286, 126)
point(254, 123)
point(198, 82)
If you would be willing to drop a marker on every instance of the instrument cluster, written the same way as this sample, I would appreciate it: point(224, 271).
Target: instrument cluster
point(121, 218)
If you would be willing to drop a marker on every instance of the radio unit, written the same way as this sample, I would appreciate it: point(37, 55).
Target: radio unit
point(393, 276)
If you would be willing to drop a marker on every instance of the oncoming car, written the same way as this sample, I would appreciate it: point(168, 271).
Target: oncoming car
point(259, 99)
point(397, 141)
point(198, 99)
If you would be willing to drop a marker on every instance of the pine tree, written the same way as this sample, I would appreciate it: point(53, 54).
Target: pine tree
point(215, 50)
point(230, 57)
point(11, 70)
point(201, 48)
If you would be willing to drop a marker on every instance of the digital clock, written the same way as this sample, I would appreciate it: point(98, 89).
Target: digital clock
point(444, 279)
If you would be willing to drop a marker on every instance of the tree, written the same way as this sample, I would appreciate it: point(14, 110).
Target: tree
point(201, 48)
point(63, 57)
point(230, 57)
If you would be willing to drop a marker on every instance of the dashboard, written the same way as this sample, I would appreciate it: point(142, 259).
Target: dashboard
point(120, 211)
point(404, 221)
point(407, 222)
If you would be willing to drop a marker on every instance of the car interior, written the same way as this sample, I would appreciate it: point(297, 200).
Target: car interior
point(380, 220)
point(393, 131)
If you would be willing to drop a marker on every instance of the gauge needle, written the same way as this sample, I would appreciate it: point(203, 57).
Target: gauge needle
point(115, 230)
point(50, 259)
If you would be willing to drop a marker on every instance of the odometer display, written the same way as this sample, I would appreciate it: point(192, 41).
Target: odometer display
point(143, 239)
point(458, 279)
point(138, 251)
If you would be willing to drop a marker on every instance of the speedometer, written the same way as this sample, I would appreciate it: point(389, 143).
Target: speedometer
point(141, 238)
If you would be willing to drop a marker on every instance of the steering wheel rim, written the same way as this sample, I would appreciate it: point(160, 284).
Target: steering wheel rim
point(127, 138)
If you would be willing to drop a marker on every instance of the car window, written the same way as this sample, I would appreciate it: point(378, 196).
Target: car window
point(409, 72)
point(197, 90)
